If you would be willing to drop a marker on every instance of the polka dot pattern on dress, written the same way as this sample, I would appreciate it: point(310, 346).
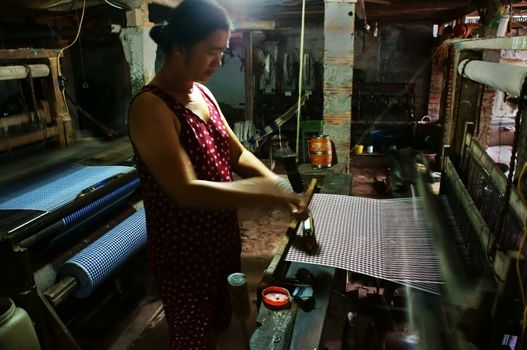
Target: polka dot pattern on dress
point(192, 251)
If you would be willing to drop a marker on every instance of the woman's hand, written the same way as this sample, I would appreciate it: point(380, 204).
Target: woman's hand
point(298, 206)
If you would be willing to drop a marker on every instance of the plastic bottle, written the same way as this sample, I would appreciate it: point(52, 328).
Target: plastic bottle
point(16, 328)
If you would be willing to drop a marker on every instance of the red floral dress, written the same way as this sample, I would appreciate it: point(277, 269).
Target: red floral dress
point(192, 251)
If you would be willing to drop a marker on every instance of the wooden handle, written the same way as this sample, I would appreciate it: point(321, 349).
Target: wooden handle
point(291, 231)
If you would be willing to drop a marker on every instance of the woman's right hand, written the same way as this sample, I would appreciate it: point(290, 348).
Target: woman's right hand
point(296, 202)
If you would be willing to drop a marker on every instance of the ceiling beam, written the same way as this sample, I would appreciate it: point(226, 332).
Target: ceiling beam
point(381, 2)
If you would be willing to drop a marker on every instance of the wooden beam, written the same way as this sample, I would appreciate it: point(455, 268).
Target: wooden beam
point(255, 25)
point(59, 108)
point(18, 119)
point(27, 54)
point(35, 136)
point(419, 10)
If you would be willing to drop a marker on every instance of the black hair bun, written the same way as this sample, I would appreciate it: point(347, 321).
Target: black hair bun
point(158, 33)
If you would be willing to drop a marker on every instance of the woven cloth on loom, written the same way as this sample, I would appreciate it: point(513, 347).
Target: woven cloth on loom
point(56, 188)
point(383, 238)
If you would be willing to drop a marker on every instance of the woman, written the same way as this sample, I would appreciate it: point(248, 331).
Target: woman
point(186, 154)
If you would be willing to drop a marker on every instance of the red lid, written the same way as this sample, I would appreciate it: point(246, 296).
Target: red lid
point(276, 297)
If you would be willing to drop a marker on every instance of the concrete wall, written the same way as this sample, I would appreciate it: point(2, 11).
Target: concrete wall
point(228, 84)
point(398, 54)
point(107, 92)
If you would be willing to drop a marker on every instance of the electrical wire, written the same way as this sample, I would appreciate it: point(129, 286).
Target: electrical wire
point(61, 52)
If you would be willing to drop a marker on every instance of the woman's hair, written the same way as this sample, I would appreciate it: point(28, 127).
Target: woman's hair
point(190, 22)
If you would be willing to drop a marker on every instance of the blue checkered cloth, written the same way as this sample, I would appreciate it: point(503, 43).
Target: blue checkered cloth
point(95, 263)
point(56, 188)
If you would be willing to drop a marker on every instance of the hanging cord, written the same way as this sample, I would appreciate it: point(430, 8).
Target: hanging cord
point(300, 78)
point(519, 253)
point(512, 165)
point(61, 52)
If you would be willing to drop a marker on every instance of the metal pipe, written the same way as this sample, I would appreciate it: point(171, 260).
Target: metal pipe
point(20, 72)
point(505, 77)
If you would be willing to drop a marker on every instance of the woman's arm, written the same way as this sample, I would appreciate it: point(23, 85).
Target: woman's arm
point(155, 133)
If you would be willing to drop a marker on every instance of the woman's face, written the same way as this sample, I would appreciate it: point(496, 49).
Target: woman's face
point(202, 60)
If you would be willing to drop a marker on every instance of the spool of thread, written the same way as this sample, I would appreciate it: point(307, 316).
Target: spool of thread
point(320, 152)
point(359, 149)
point(369, 149)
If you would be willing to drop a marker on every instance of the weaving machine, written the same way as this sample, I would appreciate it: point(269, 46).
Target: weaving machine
point(458, 285)
point(63, 233)
point(45, 116)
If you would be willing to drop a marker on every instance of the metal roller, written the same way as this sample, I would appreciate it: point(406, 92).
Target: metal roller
point(505, 77)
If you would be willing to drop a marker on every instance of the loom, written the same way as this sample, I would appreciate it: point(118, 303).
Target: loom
point(463, 294)
point(64, 232)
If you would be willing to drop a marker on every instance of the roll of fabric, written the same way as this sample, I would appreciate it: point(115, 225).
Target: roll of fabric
point(93, 265)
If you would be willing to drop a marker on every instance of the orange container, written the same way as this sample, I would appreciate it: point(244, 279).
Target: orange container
point(320, 153)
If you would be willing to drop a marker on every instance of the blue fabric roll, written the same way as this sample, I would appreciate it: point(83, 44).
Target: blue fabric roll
point(111, 197)
point(95, 263)
point(56, 188)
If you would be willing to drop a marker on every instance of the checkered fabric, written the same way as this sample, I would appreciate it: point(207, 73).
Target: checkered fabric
point(383, 238)
point(56, 188)
point(100, 259)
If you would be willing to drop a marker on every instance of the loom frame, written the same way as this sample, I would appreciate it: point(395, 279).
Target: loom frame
point(462, 151)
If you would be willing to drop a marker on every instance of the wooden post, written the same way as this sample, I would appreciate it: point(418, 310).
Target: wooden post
point(249, 83)
point(59, 109)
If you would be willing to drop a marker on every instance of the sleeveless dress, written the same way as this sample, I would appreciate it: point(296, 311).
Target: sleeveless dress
point(192, 251)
